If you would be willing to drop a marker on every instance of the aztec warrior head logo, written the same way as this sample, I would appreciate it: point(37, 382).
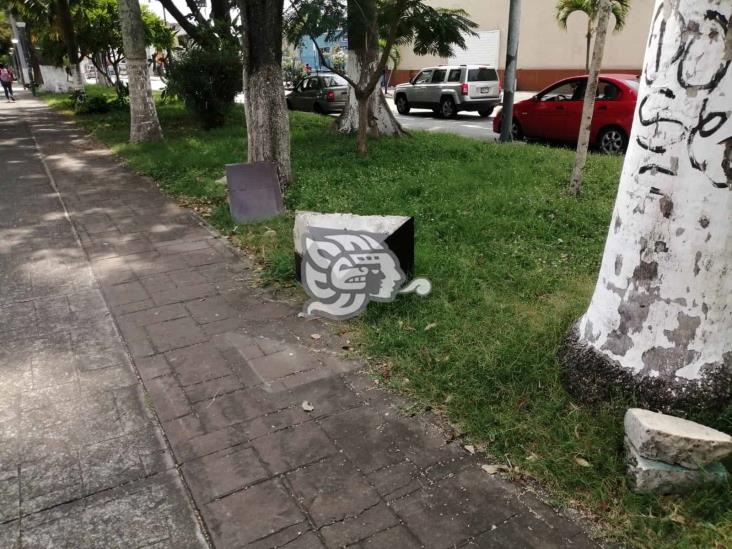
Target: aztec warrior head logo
point(343, 271)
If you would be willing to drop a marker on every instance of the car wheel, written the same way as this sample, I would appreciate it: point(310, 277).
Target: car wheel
point(447, 108)
point(612, 141)
point(485, 113)
point(402, 104)
point(317, 108)
point(516, 132)
point(289, 105)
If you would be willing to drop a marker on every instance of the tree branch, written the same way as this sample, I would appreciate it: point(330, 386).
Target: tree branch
point(189, 28)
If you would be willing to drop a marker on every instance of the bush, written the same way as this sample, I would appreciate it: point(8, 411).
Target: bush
point(84, 104)
point(207, 81)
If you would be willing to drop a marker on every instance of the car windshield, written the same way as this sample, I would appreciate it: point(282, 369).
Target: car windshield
point(634, 84)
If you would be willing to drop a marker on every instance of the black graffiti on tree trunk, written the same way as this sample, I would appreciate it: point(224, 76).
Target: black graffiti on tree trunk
point(662, 124)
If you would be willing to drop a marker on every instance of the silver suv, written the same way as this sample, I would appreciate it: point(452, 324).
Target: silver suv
point(449, 89)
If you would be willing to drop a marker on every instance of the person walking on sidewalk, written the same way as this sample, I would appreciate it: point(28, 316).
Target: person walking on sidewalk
point(6, 79)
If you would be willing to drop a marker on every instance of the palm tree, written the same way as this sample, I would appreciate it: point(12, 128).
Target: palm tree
point(591, 8)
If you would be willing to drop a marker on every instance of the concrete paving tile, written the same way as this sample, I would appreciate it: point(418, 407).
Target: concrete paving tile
point(291, 448)
point(173, 334)
point(397, 536)
point(252, 514)
point(457, 508)
point(352, 529)
point(222, 473)
point(210, 309)
point(197, 363)
point(332, 490)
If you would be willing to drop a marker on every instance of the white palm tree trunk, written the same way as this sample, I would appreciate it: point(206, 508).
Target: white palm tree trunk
point(660, 321)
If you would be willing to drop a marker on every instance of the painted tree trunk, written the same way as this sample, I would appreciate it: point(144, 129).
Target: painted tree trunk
point(144, 124)
point(660, 322)
point(268, 129)
point(381, 120)
point(588, 106)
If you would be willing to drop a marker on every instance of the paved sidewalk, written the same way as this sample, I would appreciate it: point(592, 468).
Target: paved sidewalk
point(223, 369)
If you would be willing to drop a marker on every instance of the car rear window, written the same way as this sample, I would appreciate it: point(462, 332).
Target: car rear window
point(336, 80)
point(482, 74)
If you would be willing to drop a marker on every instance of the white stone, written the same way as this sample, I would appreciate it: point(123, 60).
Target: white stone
point(675, 440)
point(380, 224)
point(648, 475)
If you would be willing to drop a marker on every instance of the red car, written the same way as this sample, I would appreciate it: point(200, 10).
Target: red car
point(554, 114)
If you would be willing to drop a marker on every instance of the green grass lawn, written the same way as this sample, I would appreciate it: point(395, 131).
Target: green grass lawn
point(512, 259)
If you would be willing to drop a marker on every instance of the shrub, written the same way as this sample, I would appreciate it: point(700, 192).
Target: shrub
point(207, 81)
point(85, 104)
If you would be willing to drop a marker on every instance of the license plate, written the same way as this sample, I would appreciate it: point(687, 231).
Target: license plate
point(485, 90)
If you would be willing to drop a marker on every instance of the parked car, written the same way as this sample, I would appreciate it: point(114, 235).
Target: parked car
point(449, 89)
point(554, 114)
point(322, 93)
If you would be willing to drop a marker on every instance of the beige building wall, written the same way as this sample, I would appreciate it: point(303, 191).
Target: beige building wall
point(546, 51)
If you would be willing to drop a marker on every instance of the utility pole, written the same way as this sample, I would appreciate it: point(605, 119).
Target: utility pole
point(19, 48)
point(509, 84)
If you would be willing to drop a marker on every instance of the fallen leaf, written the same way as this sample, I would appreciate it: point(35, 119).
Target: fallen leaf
point(582, 462)
point(493, 469)
point(532, 457)
point(307, 406)
point(430, 326)
point(314, 336)
point(470, 448)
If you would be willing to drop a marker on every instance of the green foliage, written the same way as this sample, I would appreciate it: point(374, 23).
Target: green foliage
point(292, 71)
point(513, 260)
point(207, 81)
point(591, 8)
point(93, 105)
point(428, 30)
point(5, 36)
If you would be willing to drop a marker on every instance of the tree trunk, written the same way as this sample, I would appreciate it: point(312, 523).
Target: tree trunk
point(381, 120)
point(67, 31)
point(588, 45)
point(660, 322)
point(33, 54)
point(144, 124)
point(268, 129)
point(588, 107)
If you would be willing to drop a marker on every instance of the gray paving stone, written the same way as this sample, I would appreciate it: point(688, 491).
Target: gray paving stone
point(223, 473)
point(252, 514)
point(291, 448)
point(197, 363)
point(397, 536)
point(170, 400)
point(352, 529)
point(459, 507)
point(332, 490)
point(174, 334)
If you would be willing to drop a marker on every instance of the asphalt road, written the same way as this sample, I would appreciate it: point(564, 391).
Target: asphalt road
point(467, 124)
